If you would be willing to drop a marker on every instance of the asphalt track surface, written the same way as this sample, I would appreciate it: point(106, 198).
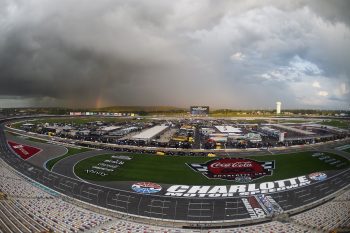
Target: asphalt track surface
point(49, 151)
point(65, 166)
point(162, 207)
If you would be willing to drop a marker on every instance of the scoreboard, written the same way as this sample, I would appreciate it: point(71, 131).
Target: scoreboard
point(199, 110)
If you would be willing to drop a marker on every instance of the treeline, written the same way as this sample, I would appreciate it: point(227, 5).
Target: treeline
point(168, 110)
point(285, 111)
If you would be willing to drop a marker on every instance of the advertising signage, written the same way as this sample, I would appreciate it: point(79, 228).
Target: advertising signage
point(199, 110)
point(238, 169)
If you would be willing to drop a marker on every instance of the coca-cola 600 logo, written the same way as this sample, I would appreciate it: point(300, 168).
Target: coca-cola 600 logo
point(238, 169)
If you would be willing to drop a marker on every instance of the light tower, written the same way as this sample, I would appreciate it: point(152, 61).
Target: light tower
point(278, 107)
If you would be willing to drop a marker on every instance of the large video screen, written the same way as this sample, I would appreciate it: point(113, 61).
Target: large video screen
point(199, 110)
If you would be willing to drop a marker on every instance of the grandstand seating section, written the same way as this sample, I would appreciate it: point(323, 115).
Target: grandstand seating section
point(329, 216)
point(274, 226)
point(28, 208)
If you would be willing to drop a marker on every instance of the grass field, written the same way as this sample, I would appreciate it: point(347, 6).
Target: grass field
point(71, 151)
point(345, 124)
point(26, 138)
point(173, 170)
point(13, 134)
point(36, 140)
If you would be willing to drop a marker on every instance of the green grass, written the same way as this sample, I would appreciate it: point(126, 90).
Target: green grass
point(71, 151)
point(11, 133)
point(348, 150)
point(173, 169)
point(344, 124)
point(26, 137)
point(36, 140)
point(292, 121)
point(17, 125)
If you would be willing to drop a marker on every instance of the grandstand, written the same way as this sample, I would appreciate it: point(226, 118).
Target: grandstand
point(332, 215)
point(27, 208)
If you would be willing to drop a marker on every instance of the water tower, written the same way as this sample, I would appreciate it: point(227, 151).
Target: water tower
point(278, 107)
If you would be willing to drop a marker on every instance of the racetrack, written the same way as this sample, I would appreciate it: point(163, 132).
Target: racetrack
point(182, 209)
point(49, 151)
point(65, 166)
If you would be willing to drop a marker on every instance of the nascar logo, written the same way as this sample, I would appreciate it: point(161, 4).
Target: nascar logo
point(318, 176)
point(146, 187)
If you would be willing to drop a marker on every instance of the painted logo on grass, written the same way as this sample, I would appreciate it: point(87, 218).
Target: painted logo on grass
point(239, 169)
point(146, 187)
point(318, 176)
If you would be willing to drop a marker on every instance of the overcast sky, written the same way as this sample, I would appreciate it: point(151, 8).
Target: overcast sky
point(234, 54)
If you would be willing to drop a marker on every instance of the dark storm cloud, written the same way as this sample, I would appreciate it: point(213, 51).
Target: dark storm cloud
point(81, 53)
point(73, 56)
point(335, 11)
point(56, 69)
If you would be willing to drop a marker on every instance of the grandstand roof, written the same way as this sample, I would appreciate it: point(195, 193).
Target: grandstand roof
point(150, 133)
point(227, 129)
point(294, 129)
point(110, 128)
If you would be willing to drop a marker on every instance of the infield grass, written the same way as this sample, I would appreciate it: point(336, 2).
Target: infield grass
point(345, 124)
point(36, 140)
point(70, 152)
point(173, 169)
